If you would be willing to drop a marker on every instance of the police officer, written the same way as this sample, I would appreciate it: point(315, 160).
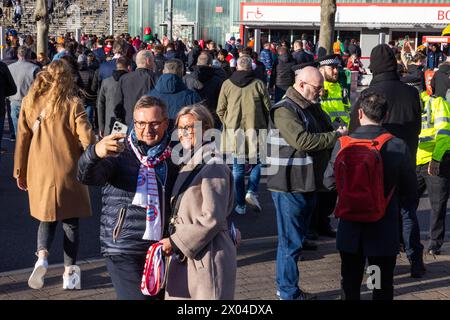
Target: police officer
point(334, 98)
point(334, 104)
point(433, 164)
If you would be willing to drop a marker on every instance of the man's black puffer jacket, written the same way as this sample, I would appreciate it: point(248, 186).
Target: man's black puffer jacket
point(122, 224)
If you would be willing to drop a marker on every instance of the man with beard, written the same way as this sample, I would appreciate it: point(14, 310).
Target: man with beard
point(332, 102)
point(299, 144)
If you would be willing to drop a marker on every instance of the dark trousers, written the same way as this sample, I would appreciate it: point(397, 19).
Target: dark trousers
point(438, 193)
point(320, 220)
point(126, 271)
point(352, 272)
point(46, 234)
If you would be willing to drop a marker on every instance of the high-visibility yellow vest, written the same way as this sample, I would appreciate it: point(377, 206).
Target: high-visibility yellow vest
point(333, 104)
point(434, 138)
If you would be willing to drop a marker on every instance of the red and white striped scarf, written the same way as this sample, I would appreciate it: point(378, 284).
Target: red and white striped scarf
point(147, 195)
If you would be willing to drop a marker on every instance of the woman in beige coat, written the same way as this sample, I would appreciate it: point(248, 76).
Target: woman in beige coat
point(203, 261)
point(53, 128)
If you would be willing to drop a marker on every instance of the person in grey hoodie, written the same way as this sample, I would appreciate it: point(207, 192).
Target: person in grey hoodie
point(23, 73)
point(106, 95)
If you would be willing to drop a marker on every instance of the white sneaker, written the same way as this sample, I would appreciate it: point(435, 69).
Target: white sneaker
point(73, 280)
point(252, 200)
point(240, 209)
point(36, 280)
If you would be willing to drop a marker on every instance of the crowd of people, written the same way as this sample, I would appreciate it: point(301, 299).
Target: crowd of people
point(163, 181)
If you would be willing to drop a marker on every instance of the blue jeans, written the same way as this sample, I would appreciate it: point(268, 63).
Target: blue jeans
point(125, 271)
point(239, 181)
point(15, 111)
point(10, 122)
point(293, 214)
point(411, 233)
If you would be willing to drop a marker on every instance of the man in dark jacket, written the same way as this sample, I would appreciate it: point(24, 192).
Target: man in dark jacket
point(282, 76)
point(301, 135)
point(159, 59)
point(129, 224)
point(86, 77)
point(106, 68)
point(300, 55)
point(205, 81)
point(134, 85)
point(193, 55)
point(171, 89)
point(378, 241)
point(7, 88)
point(106, 95)
point(434, 56)
point(403, 120)
point(441, 81)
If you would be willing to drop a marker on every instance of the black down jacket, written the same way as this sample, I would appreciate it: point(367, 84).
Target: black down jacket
point(122, 224)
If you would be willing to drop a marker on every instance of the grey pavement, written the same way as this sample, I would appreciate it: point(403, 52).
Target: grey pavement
point(319, 272)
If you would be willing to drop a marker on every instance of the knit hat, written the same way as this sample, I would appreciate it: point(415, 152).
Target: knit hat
point(382, 59)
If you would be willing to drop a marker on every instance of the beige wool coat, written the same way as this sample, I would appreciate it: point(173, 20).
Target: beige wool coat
point(48, 158)
point(202, 235)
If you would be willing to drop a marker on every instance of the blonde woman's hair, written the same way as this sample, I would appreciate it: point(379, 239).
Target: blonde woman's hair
point(56, 84)
point(200, 113)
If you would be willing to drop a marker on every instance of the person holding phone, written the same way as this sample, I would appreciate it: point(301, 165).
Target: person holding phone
point(137, 178)
point(52, 125)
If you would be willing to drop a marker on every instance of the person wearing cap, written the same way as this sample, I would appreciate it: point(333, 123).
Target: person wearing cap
point(231, 44)
point(333, 99)
point(300, 140)
point(334, 104)
point(403, 120)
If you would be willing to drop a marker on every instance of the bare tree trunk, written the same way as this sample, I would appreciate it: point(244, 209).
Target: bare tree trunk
point(327, 20)
point(42, 23)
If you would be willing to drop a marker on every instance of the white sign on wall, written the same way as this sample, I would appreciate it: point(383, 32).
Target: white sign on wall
point(349, 13)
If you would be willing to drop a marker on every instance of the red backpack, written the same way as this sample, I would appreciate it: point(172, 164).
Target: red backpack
point(359, 174)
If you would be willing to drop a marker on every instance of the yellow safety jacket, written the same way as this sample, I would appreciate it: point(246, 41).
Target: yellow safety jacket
point(434, 138)
point(333, 104)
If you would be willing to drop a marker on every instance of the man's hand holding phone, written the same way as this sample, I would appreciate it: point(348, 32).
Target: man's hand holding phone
point(110, 146)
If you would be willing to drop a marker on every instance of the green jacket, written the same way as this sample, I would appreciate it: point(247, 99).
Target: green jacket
point(303, 137)
point(243, 104)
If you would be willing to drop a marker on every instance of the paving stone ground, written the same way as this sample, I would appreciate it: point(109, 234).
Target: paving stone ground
point(319, 272)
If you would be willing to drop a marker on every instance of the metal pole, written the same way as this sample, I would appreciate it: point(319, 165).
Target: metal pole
point(141, 18)
point(196, 20)
point(2, 42)
point(382, 38)
point(257, 46)
point(111, 17)
point(170, 19)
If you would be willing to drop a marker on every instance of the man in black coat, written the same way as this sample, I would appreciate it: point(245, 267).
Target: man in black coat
point(378, 241)
point(282, 76)
point(300, 55)
point(441, 81)
point(7, 88)
point(206, 82)
point(134, 85)
point(403, 120)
